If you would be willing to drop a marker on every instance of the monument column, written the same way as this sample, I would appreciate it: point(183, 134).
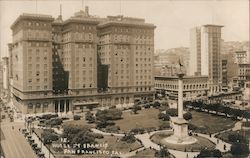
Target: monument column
point(180, 95)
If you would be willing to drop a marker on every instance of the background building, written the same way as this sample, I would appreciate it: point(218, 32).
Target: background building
point(194, 87)
point(89, 61)
point(205, 55)
point(242, 57)
point(1, 77)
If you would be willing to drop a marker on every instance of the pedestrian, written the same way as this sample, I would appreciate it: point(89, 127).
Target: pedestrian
point(187, 156)
point(224, 146)
point(218, 141)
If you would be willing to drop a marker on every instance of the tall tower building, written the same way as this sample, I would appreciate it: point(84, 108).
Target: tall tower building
point(195, 52)
point(205, 58)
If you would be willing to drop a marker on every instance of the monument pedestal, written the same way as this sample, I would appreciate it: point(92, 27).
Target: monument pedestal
point(180, 135)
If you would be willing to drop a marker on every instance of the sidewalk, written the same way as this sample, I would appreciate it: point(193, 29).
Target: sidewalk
point(46, 152)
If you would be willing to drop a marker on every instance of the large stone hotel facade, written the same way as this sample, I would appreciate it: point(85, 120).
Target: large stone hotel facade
point(62, 66)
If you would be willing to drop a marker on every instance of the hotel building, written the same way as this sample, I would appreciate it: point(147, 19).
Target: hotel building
point(61, 65)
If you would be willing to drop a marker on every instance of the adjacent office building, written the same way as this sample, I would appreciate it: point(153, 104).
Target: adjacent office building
point(194, 87)
point(205, 55)
point(63, 66)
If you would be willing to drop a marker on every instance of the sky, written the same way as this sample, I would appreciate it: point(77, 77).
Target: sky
point(173, 19)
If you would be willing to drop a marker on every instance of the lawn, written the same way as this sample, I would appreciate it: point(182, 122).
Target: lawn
point(224, 136)
point(209, 123)
point(81, 122)
point(146, 118)
point(201, 143)
point(145, 153)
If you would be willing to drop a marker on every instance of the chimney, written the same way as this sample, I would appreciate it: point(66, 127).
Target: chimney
point(87, 10)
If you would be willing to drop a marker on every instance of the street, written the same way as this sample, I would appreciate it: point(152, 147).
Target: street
point(13, 142)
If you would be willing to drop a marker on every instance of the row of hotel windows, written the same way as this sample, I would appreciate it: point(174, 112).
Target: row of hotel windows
point(122, 83)
point(37, 87)
point(84, 86)
point(38, 80)
point(38, 34)
point(143, 31)
point(45, 73)
point(83, 72)
point(37, 59)
point(38, 105)
point(141, 65)
point(85, 27)
point(90, 79)
point(82, 65)
point(141, 71)
point(184, 87)
point(39, 44)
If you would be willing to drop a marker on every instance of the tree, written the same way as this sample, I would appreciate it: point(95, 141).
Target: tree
point(164, 117)
point(78, 134)
point(156, 104)
point(164, 125)
point(54, 122)
point(171, 112)
point(187, 116)
point(210, 153)
point(90, 117)
point(129, 138)
point(77, 117)
point(49, 136)
point(237, 138)
point(136, 108)
point(163, 153)
point(146, 106)
point(239, 149)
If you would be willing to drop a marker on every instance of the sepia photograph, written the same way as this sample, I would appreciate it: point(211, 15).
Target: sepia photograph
point(124, 78)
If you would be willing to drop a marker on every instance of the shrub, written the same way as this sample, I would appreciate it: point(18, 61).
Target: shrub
point(239, 149)
point(54, 122)
point(104, 124)
point(237, 138)
point(129, 138)
point(156, 104)
point(77, 117)
point(146, 106)
point(171, 112)
point(246, 124)
point(187, 116)
point(164, 117)
point(136, 108)
point(112, 129)
point(49, 136)
point(210, 153)
point(192, 126)
point(137, 130)
point(164, 125)
point(90, 117)
point(109, 114)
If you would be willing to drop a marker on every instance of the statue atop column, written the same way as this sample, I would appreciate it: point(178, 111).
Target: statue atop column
point(180, 125)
